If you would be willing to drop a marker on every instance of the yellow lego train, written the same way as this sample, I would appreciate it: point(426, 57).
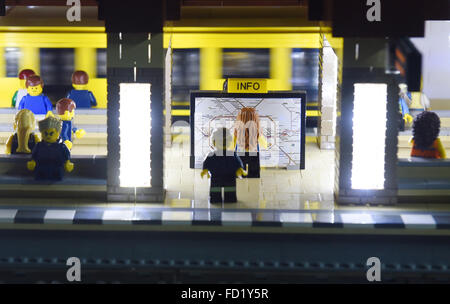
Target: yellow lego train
point(203, 57)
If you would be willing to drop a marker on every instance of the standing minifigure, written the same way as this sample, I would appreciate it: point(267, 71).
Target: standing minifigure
point(35, 101)
point(80, 94)
point(404, 103)
point(223, 166)
point(66, 111)
point(425, 141)
point(50, 157)
point(247, 138)
point(22, 91)
point(24, 140)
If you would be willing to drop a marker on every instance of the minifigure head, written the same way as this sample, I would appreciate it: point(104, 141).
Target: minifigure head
point(80, 80)
point(65, 108)
point(426, 129)
point(403, 88)
point(34, 85)
point(24, 125)
point(222, 138)
point(23, 75)
point(247, 128)
point(50, 129)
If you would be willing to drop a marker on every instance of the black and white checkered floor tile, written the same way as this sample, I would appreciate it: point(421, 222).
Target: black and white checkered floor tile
point(226, 217)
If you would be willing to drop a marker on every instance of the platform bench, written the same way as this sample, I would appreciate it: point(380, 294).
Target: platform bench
point(425, 180)
point(87, 180)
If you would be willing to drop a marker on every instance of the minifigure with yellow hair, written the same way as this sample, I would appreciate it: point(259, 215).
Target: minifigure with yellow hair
point(50, 157)
point(24, 140)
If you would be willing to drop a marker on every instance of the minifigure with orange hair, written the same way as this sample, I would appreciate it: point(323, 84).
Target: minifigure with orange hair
point(80, 94)
point(22, 91)
point(247, 138)
point(65, 108)
point(35, 101)
point(24, 140)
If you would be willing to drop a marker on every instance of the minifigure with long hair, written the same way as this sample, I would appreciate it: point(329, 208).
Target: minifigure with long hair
point(425, 141)
point(24, 140)
point(247, 138)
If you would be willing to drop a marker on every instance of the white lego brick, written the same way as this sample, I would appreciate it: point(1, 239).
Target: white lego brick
point(327, 113)
point(59, 216)
point(8, 216)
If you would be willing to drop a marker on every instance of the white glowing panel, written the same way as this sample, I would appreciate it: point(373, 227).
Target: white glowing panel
point(369, 136)
point(135, 127)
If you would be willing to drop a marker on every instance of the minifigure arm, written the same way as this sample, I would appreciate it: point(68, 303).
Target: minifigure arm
point(48, 104)
point(9, 144)
point(21, 104)
point(441, 149)
point(93, 100)
point(205, 172)
point(68, 166)
point(79, 133)
point(241, 172)
point(262, 141)
point(31, 165)
point(14, 99)
point(36, 138)
point(68, 144)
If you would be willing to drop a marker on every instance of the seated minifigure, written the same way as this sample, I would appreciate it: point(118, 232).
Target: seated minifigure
point(425, 141)
point(223, 166)
point(50, 157)
point(35, 101)
point(80, 94)
point(66, 111)
point(24, 140)
point(404, 103)
point(20, 93)
point(247, 139)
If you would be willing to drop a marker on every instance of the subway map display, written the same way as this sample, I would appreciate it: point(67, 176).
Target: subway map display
point(281, 121)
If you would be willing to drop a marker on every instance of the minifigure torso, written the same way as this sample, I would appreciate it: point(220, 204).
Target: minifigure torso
point(15, 143)
point(37, 104)
point(50, 159)
point(67, 130)
point(82, 98)
point(223, 168)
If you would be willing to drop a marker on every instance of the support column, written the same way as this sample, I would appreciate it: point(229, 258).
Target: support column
point(328, 97)
point(30, 59)
point(210, 69)
point(364, 65)
point(280, 69)
point(86, 60)
point(135, 58)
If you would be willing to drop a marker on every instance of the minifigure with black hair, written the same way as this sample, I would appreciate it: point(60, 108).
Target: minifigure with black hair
point(425, 141)
point(223, 166)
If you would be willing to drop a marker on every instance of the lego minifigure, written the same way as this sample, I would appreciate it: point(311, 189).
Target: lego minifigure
point(425, 141)
point(247, 138)
point(223, 166)
point(65, 108)
point(35, 101)
point(24, 140)
point(23, 75)
point(80, 94)
point(50, 157)
point(404, 103)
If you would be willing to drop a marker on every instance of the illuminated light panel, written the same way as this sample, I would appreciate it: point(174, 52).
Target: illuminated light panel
point(369, 136)
point(135, 128)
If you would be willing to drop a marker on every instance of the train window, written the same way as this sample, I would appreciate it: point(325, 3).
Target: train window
point(185, 73)
point(12, 57)
point(246, 63)
point(57, 66)
point(101, 63)
point(305, 72)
